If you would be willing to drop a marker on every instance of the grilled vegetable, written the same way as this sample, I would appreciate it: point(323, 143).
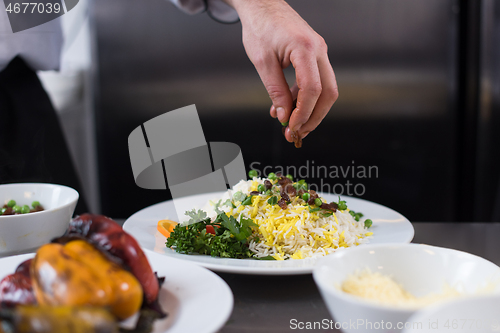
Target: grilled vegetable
point(16, 288)
point(60, 319)
point(77, 274)
point(67, 319)
point(109, 236)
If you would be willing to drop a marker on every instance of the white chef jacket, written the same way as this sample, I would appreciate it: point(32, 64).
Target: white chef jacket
point(40, 46)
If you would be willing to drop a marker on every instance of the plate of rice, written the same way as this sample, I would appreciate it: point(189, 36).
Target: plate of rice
point(266, 226)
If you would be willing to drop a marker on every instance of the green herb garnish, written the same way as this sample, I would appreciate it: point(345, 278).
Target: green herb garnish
point(247, 201)
point(357, 216)
point(195, 216)
point(272, 200)
point(266, 258)
point(241, 231)
point(230, 241)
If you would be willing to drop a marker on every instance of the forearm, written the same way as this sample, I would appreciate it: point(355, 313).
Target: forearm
point(274, 37)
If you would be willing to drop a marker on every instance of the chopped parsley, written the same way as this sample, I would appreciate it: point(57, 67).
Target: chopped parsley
point(230, 240)
point(272, 200)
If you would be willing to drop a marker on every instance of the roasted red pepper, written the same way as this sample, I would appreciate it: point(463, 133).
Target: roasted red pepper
point(17, 288)
point(109, 236)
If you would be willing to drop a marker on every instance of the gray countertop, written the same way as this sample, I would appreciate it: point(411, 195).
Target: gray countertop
point(269, 303)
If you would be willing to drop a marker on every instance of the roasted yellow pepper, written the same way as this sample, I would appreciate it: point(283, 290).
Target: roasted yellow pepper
point(78, 274)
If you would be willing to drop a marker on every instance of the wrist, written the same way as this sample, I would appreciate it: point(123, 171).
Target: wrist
point(247, 7)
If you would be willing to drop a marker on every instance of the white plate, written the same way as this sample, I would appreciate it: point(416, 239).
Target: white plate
point(388, 227)
point(189, 290)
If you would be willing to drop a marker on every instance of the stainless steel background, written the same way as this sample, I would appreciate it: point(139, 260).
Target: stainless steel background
point(396, 65)
point(487, 186)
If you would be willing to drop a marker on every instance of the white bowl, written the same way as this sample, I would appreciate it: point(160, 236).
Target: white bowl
point(26, 232)
point(420, 269)
point(472, 314)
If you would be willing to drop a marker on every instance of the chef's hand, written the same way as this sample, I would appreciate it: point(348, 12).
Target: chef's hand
point(275, 36)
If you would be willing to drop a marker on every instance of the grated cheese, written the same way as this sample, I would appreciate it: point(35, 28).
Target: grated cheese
point(384, 290)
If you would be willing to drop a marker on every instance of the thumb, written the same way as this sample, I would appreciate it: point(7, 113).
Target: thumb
point(272, 76)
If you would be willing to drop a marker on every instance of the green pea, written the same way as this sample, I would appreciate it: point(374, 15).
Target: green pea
point(368, 223)
point(17, 209)
point(11, 203)
point(253, 173)
point(35, 204)
point(25, 209)
point(289, 177)
point(239, 196)
point(261, 188)
point(318, 202)
point(342, 205)
point(272, 176)
point(285, 124)
point(306, 196)
point(2, 211)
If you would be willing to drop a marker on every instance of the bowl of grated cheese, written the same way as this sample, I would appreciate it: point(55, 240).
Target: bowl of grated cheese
point(376, 288)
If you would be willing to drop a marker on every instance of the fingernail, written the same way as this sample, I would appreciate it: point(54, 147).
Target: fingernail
point(281, 114)
point(287, 132)
point(273, 112)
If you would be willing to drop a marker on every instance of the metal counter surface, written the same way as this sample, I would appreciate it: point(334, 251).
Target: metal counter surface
point(269, 303)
